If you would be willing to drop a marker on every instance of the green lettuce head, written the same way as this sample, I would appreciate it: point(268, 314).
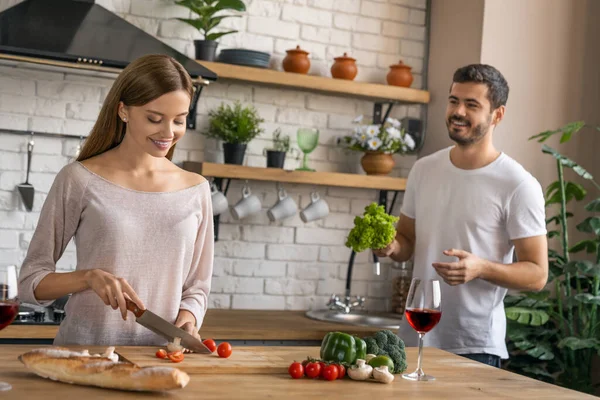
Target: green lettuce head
point(374, 230)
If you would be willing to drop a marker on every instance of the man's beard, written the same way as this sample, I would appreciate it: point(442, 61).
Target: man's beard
point(476, 133)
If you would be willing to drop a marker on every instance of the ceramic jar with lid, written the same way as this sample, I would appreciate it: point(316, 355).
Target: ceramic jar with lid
point(344, 68)
point(400, 75)
point(296, 61)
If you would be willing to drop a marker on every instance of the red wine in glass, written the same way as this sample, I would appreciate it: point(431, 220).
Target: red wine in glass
point(423, 320)
point(9, 306)
point(423, 312)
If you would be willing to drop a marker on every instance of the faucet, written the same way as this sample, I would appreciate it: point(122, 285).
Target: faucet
point(335, 303)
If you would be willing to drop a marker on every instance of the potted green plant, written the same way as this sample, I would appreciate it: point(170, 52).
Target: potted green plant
point(236, 126)
point(276, 154)
point(207, 20)
point(554, 335)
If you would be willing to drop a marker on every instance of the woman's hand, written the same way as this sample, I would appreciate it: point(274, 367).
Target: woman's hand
point(112, 290)
point(187, 322)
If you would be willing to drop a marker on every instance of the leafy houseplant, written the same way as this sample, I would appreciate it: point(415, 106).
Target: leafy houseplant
point(378, 142)
point(236, 126)
point(207, 20)
point(554, 337)
point(276, 154)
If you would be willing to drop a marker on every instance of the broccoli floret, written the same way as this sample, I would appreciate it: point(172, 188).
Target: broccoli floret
point(372, 347)
point(401, 343)
point(399, 359)
point(393, 339)
point(382, 339)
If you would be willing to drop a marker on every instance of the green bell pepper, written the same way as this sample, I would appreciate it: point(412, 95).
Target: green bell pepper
point(343, 348)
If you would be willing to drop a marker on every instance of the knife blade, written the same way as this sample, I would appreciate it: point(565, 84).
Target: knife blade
point(164, 328)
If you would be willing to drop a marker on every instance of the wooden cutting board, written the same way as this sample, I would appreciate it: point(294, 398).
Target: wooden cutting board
point(243, 359)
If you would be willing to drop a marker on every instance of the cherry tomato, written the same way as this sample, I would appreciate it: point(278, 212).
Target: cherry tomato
point(161, 353)
point(331, 373)
point(224, 350)
point(341, 371)
point(176, 356)
point(323, 366)
point(212, 346)
point(313, 369)
point(296, 370)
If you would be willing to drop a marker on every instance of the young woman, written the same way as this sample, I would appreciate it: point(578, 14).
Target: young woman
point(142, 226)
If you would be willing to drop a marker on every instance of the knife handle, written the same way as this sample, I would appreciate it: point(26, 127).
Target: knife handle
point(131, 306)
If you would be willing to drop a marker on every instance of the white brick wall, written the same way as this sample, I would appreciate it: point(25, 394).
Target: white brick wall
point(258, 264)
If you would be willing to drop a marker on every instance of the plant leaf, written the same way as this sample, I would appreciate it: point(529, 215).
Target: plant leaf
point(215, 36)
point(567, 162)
point(575, 343)
point(237, 5)
point(196, 23)
point(590, 225)
point(587, 298)
point(579, 267)
point(552, 234)
point(527, 316)
point(538, 370)
point(568, 129)
point(588, 245)
point(594, 206)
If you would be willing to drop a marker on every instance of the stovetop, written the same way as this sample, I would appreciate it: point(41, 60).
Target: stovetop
point(35, 315)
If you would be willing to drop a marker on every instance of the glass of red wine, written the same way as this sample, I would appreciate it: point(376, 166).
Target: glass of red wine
point(423, 312)
point(9, 305)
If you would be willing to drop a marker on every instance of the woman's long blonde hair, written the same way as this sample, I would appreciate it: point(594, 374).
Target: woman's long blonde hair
point(142, 81)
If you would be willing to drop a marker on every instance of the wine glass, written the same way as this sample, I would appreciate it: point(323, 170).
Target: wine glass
point(423, 312)
point(307, 141)
point(9, 306)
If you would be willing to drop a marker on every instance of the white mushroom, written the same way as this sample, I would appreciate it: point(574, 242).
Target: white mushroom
point(361, 371)
point(382, 374)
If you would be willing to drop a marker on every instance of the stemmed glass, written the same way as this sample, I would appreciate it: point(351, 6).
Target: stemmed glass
point(9, 305)
point(307, 141)
point(423, 312)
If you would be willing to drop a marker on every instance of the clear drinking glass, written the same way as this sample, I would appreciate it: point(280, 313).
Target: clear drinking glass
point(423, 312)
point(307, 141)
point(9, 305)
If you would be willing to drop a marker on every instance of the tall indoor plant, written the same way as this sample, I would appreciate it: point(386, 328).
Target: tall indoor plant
point(236, 126)
point(207, 20)
point(554, 336)
point(378, 142)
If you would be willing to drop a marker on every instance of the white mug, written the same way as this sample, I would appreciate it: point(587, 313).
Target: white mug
point(284, 208)
point(248, 205)
point(317, 209)
point(219, 201)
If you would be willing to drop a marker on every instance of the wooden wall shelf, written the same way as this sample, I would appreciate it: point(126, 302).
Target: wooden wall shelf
point(279, 175)
point(371, 91)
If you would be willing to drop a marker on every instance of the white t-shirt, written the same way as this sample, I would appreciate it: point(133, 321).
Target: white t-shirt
point(479, 211)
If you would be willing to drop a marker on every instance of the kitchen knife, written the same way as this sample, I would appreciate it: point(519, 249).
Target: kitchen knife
point(165, 329)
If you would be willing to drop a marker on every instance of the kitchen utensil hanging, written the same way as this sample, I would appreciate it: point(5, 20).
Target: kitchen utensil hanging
point(26, 189)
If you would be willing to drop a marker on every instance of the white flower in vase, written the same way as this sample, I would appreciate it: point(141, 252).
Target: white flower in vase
point(409, 142)
point(358, 119)
point(374, 143)
point(394, 122)
point(372, 130)
point(360, 135)
point(394, 132)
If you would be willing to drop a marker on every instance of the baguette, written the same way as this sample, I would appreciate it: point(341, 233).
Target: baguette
point(101, 370)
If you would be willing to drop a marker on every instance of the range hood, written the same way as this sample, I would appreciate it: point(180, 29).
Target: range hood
point(81, 34)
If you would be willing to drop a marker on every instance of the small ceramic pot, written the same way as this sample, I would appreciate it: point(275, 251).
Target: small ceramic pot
point(296, 61)
point(400, 75)
point(377, 163)
point(344, 68)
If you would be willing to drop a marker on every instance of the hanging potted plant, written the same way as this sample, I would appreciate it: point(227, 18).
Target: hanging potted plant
point(207, 20)
point(236, 126)
point(276, 154)
point(378, 142)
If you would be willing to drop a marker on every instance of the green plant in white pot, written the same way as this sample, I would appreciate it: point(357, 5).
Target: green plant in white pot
point(236, 126)
point(207, 20)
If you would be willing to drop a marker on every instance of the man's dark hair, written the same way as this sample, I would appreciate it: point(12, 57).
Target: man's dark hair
point(488, 75)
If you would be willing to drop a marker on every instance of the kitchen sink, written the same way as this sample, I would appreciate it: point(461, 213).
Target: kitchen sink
point(362, 318)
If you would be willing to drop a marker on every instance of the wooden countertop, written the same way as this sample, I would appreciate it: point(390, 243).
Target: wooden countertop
point(231, 325)
point(456, 378)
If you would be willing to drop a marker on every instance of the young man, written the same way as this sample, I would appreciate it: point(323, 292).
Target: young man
point(467, 209)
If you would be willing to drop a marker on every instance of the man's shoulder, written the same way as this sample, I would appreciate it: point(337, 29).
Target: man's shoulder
point(436, 158)
point(511, 170)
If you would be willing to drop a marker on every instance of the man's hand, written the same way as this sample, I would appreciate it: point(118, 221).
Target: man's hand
point(467, 268)
point(187, 322)
point(389, 250)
